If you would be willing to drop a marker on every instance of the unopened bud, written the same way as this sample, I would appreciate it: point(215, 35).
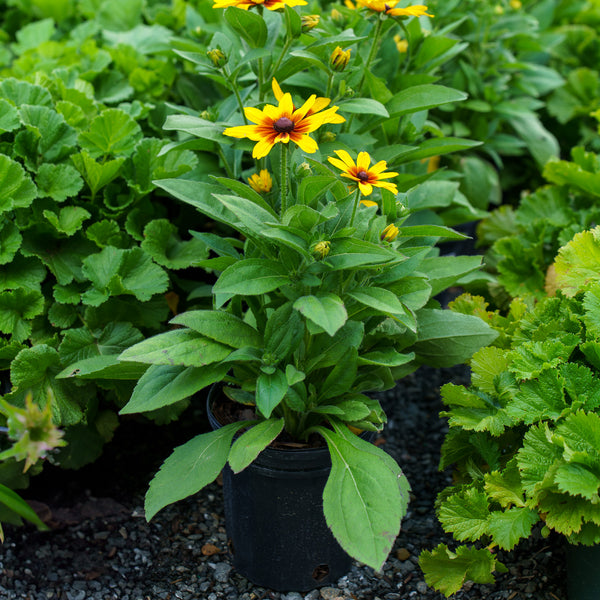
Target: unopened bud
point(321, 249)
point(328, 136)
point(337, 17)
point(401, 44)
point(309, 22)
point(349, 93)
point(218, 57)
point(303, 170)
point(339, 59)
point(516, 4)
point(390, 233)
point(206, 115)
point(499, 9)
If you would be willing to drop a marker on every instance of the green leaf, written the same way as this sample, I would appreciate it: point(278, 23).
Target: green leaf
point(248, 25)
point(283, 333)
point(361, 501)
point(22, 272)
point(341, 378)
point(20, 93)
point(447, 571)
point(68, 220)
point(192, 466)
point(508, 527)
point(270, 391)
point(9, 117)
point(162, 243)
point(10, 241)
point(446, 338)
point(562, 172)
point(33, 34)
point(578, 263)
point(15, 503)
point(504, 487)
point(577, 480)
point(325, 310)
point(385, 302)
point(465, 514)
point(487, 364)
point(422, 97)
point(96, 175)
point(536, 458)
point(444, 271)
point(103, 366)
point(252, 442)
point(349, 253)
point(16, 188)
point(182, 347)
point(251, 276)
point(112, 132)
point(364, 106)
point(163, 385)
point(17, 308)
point(58, 182)
point(327, 351)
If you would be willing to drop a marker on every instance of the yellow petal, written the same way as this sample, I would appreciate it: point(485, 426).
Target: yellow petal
point(300, 113)
point(387, 175)
point(262, 148)
point(365, 188)
point(307, 144)
point(363, 161)
point(286, 106)
point(254, 114)
point(276, 89)
point(330, 116)
point(378, 167)
point(320, 104)
point(386, 185)
point(346, 158)
point(368, 202)
point(336, 162)
point(241, 131)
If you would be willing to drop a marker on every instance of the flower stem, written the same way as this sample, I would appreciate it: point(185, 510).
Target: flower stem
point(225, 163)
point(261, 75)
point(329, 85)
point(408, 47)
point(371, 56)
point(236, 92)
point(286, 47)
point(356, 199)
point(284, 179)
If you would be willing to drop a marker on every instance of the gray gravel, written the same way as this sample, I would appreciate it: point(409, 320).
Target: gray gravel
point(101, 547)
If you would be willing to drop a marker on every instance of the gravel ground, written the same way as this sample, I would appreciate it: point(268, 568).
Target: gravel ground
point(101, 548)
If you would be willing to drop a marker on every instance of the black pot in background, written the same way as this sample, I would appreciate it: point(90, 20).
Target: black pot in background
point(583, 572)
point(274, 518)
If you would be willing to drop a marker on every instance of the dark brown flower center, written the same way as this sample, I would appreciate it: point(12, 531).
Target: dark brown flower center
point(363, 175)
point(283, 125)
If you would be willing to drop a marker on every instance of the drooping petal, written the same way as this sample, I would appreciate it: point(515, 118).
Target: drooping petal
point(346, 158)
point(368, 202)
point(301, 112)
point(386, 185)
point(241, 131)
point(330, 116)
point(320, 104)
point(306, 143)
point(276, 89)
point(262, 148)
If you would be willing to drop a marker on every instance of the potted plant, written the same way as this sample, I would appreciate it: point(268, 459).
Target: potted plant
point(523, 437)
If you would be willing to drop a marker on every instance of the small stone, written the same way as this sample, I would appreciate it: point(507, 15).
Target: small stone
point(531, 587)
point(402, 554)
point(292, 596)
point(422, 587)
point(222, 571)
point(330, 593)
point(312, 595)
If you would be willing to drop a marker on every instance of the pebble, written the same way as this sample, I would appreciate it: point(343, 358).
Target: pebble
point(222, 571)
point(330, 593)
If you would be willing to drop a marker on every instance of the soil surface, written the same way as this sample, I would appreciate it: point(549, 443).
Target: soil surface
point(101, 548)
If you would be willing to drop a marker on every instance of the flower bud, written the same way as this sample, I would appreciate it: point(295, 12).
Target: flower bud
point(390, 233)
point(349, 93)
point(401, 44)
point(303, 170)
point(321, 249)
point(516, 4)
point(218, 57)
point(337, 17)
point(499, 9)
point(339, 59)
point(309, 22)
point(261, 182)
point(328, 136)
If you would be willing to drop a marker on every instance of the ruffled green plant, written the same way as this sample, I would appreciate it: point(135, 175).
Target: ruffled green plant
point(523, 438)
point(323, 285)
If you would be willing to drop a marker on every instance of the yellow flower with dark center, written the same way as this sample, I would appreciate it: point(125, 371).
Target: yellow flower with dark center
point(390, 233)
point(261, 182)
point(388, 7)
point(270, 4)
point(279, 124)
point(365, 176)
point(339, 59)
point(329, 116)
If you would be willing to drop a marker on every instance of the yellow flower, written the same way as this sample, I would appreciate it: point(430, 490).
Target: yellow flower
point(349, 4)
point(270, 4)
point(368, 203)
point(433, 163)
point(365, 176)
point(321, 249)
point(339, 59)
point(387, 6)
point(281, 123)
point(516, 4)
point(401, 45)
point(390, 233)
point(261, 182)
point(329, 116)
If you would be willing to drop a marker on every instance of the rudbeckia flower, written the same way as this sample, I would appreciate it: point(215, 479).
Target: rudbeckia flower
point(366, 177)
point(281, 123)
point(329, 116)
point(261, 182)
point(246, 4)
point(387, 6)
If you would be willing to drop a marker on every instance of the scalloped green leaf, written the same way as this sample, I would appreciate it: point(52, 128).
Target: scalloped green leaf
point(113, 132)
point(96, 174)
point(10, 241)
point(69, 219)
point(508, 527)
point(58, 182)
point(9, 117)
point(578, 263)
point(17, 308)
point(17, 190)
point(20, 92)
point(22, 272)
point(465, 514)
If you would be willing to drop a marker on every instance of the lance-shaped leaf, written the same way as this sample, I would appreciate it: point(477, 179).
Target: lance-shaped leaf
point(251, 277)
point(192, 466)
point(270, 391)
point(361, 501)
point(252, 442)
point(385, 302)
point(163, 385)
point(250, 26)
point(220, 326)
point(325, 310)
point(183, 347)
point(103, 366)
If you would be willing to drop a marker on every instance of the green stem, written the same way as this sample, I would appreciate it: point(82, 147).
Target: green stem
point(225, 163)
point(408, 47)
point(329, 85)
point(261, 81)
point(371, 56)
point(284, 179)
point(236, 92)
point(356, 199)
point(286, 47)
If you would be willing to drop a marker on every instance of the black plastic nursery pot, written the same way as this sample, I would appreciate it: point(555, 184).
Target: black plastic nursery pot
point(583, 572)
point(274, 518)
